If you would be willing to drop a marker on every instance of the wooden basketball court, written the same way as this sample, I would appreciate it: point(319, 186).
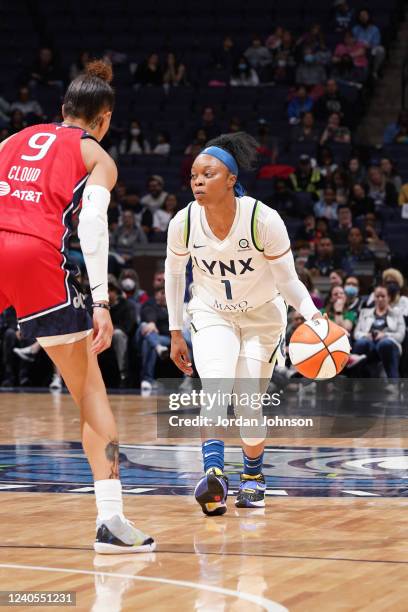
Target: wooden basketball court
point(333, 535)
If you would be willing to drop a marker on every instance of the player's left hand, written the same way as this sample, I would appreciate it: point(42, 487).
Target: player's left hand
point(103, 330)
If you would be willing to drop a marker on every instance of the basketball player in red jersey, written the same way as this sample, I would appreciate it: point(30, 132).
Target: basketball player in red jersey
point(46, 171)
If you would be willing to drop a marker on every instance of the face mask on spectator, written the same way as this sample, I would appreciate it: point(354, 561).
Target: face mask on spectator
point(393, 288)
point(309, 58)
point(135, 131)
point(128, 284)
point(350, 290)
point(242, 67)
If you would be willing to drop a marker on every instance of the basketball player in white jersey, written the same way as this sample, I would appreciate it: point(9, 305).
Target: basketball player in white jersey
point(243, 273)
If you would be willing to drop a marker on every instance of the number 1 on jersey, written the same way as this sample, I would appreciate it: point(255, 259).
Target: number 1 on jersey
point(228, 291)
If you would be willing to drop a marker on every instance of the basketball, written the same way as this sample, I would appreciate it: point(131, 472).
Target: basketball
point(319, 349)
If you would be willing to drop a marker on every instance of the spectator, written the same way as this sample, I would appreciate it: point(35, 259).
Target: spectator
point(360, 203)
point(336, 278)
point(156, 194)
point(307, 280)
point(357, 252)
point(323, 228)
point(79, 65)
point(154, 336)
point(341, 182)
point(390, 173)
point(335, 132)
point(10, 339)
point(30, 109)
point(274, 41)
point(399, 127)
point(326, 164)
point(284, 200)
point(379, 189)
point(331, 102)
point(356, 171)
point(123, 316)
point(17, 122)
point(306, 131)
point(209, 122)
point(366, 32)
point(309, 72)
point(174, 72)
point(142, 214)
point(343, 226)
point(45, 70)
point(259, 57)
point(163, 216)
point(299, 104)
point(225, 58)
point(4, 133)
point(327, 206)
point(346, 73)
point(284, 61)
point(312, 39)
point(243, 74)
point(352, 291)
point(394, 282)
point(135, 142)
point(354, 49)
point(163, 144)
point(306, 178)
point(325, 260)
point(200, 138)
point(343, 15)
point(128, 236)
point(336, 309)
point(130, 285)
point(379, 333)
point(149, 72)
point(307, 231)
point(403, 195)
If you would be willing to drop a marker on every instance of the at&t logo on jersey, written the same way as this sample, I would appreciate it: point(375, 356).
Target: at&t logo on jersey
point(4, 188)
point(27, 195)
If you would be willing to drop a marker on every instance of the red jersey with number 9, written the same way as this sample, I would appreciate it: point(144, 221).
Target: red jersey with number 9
point(42, 177)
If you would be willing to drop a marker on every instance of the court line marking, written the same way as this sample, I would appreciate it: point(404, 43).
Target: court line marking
point(225, 554)
point(266, 604)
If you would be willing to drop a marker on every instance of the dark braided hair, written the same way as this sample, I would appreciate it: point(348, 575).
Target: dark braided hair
point(242, 146)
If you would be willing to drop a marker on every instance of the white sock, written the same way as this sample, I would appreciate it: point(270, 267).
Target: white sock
point(108, 497)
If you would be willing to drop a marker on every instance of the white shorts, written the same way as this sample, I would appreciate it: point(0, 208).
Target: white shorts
point(261, 330)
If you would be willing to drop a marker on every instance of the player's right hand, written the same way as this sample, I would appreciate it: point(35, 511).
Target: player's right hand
point(102, 330)
point(179, 354)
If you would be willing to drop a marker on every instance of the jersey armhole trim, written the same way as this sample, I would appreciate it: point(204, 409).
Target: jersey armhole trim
point(187, 226)
point(254, 232)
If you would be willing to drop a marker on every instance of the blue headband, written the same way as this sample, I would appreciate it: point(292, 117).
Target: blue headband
point(228, 160)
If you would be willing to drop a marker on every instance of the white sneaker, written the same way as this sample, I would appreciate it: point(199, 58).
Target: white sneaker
point(115, 537)
point(162, 351)
point(145, 388)
point(56, 383)
point(355, 360)
point(24, 353)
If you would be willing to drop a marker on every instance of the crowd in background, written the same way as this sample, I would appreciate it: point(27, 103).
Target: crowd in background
point(340, 245)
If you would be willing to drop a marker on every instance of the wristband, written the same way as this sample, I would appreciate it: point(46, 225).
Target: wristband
point(99, 305)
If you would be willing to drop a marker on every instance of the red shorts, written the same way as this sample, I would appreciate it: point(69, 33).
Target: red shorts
point(34, 280)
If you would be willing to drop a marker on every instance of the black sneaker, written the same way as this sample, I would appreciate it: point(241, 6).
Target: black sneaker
point(211, 492)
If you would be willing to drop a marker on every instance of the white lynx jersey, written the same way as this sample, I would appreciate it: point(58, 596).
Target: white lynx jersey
point(233, 274)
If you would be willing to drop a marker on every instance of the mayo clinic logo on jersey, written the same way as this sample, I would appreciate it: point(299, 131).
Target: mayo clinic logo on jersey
point(4, 188)
point(244, 245)
point(28, 195)
point(241, 306)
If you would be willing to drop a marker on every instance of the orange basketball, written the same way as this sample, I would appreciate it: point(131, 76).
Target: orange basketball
point(319, 349)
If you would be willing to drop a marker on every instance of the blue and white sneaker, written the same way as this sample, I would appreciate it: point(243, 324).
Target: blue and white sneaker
point(211, 492)
point(251, 493)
